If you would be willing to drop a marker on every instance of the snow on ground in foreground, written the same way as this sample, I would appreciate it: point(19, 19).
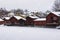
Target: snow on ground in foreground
point(28, 33)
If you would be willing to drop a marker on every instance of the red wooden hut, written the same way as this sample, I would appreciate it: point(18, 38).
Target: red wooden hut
point(6, 21)
point(29, 21)
point(52, 19)
point(1, 21)
point(40, 22)
point(13, 20)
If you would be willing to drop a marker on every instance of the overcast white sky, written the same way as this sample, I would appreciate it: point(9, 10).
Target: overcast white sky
point(32, 5)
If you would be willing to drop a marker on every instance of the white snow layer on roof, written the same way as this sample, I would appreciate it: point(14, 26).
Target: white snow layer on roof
point(56, 13)
point(11, 14)
point(1, 19)
point(40, 19)
point(7, 18)
point(18, 17)
point(33, 16)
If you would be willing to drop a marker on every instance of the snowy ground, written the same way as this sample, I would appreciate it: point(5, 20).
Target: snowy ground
point(28, 33)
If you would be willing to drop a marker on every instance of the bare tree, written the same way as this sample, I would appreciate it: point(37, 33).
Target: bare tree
point(17, 11)
point(56, 6)
point(26, 12)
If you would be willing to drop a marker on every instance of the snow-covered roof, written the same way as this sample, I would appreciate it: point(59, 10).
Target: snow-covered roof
point(40, 19)
point(23, 18)
point(24, 15)
point(19, 17)
point(1, 19)
point(11, 14)
point(56, 13)
point(33, 16)
point(7, 18)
